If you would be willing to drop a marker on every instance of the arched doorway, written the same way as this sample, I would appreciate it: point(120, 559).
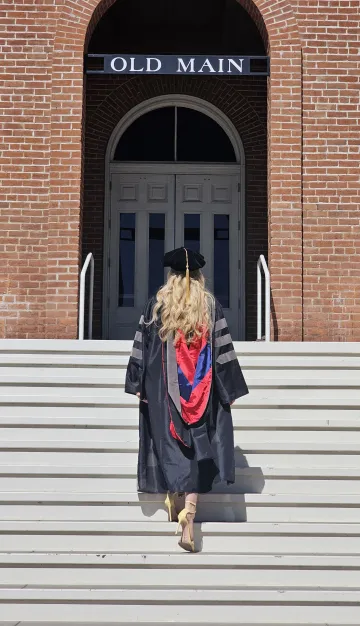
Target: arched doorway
point(175, 168)
point(260, 29)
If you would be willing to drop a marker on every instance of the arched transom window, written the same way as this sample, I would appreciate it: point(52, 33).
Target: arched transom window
point(175, 134)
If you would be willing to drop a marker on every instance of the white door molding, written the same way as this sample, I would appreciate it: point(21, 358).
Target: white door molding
point(182, 100)
point(112, 167)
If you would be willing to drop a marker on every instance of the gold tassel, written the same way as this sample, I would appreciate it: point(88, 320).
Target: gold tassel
point(187, 278)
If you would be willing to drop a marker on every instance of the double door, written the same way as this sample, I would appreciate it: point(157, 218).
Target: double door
point(154, 213)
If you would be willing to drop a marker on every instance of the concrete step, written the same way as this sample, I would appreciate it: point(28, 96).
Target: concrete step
point(264, 419)
point(191, 597)
point(92, 463)
point(36, 346)
point(163, 580)
point(135, 499)
point(251, 474)
point(103, 377)
point(54, 353)
point(225, 508)
point(127, 438)
point(288, 562)
point(24, 470)
point(251, 482)
point(339, 397)
point(113, 613)
point(251, 356)
point(114, 537)
point(155, 528)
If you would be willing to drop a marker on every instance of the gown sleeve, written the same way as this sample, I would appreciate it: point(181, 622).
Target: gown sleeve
point(229, 380)
point(135, 372)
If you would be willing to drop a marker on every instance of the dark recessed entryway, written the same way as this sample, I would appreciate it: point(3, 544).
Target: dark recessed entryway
point(186, 27)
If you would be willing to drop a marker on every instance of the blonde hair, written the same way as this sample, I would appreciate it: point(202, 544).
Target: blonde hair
point(176, 314)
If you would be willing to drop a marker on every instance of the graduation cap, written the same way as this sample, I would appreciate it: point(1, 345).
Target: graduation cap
point(181, 259)
point(184, 260)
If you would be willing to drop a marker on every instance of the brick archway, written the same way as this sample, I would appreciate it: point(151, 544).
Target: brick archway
point(277, 23)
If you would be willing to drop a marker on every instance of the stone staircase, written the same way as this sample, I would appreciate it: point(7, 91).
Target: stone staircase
point(78, 545)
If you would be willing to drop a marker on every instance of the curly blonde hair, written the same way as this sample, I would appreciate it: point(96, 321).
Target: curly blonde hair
point(192, 318)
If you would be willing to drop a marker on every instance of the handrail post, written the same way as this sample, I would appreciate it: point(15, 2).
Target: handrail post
point(259, 301)
point(89, 260)
point(91, 297)
point(261, 264)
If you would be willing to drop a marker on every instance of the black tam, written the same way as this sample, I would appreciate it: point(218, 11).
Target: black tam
point(176, 259)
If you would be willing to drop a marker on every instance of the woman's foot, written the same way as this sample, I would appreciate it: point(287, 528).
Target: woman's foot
point(186, 521)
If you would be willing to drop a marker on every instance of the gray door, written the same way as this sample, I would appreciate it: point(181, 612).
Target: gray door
point(153, 213)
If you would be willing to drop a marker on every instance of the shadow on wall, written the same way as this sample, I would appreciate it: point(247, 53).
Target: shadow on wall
point(274, 319)
point(224, 503)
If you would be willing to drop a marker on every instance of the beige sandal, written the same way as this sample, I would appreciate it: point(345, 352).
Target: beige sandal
point(186, 520)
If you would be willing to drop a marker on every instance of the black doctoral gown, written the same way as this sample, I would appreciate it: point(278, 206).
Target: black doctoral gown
point(205, 455)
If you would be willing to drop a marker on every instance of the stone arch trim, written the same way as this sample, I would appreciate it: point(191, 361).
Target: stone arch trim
point(276, 21)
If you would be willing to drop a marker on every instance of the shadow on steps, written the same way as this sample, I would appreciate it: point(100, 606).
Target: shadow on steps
point(225, 503)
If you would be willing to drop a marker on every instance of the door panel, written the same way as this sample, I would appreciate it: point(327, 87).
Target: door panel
point(142, 229)
point(211, 201)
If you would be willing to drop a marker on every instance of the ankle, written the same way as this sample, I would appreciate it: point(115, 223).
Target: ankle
point(190, 508)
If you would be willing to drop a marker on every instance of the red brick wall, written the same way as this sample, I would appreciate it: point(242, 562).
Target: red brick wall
point(25, 126)
point(243, 100)
point(331, 154)
point(313, 150)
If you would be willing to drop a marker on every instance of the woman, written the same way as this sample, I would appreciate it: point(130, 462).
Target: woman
point(184, 370)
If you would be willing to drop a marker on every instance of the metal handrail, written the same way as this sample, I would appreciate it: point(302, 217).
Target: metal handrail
point(262, 264)
point(89, 260)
